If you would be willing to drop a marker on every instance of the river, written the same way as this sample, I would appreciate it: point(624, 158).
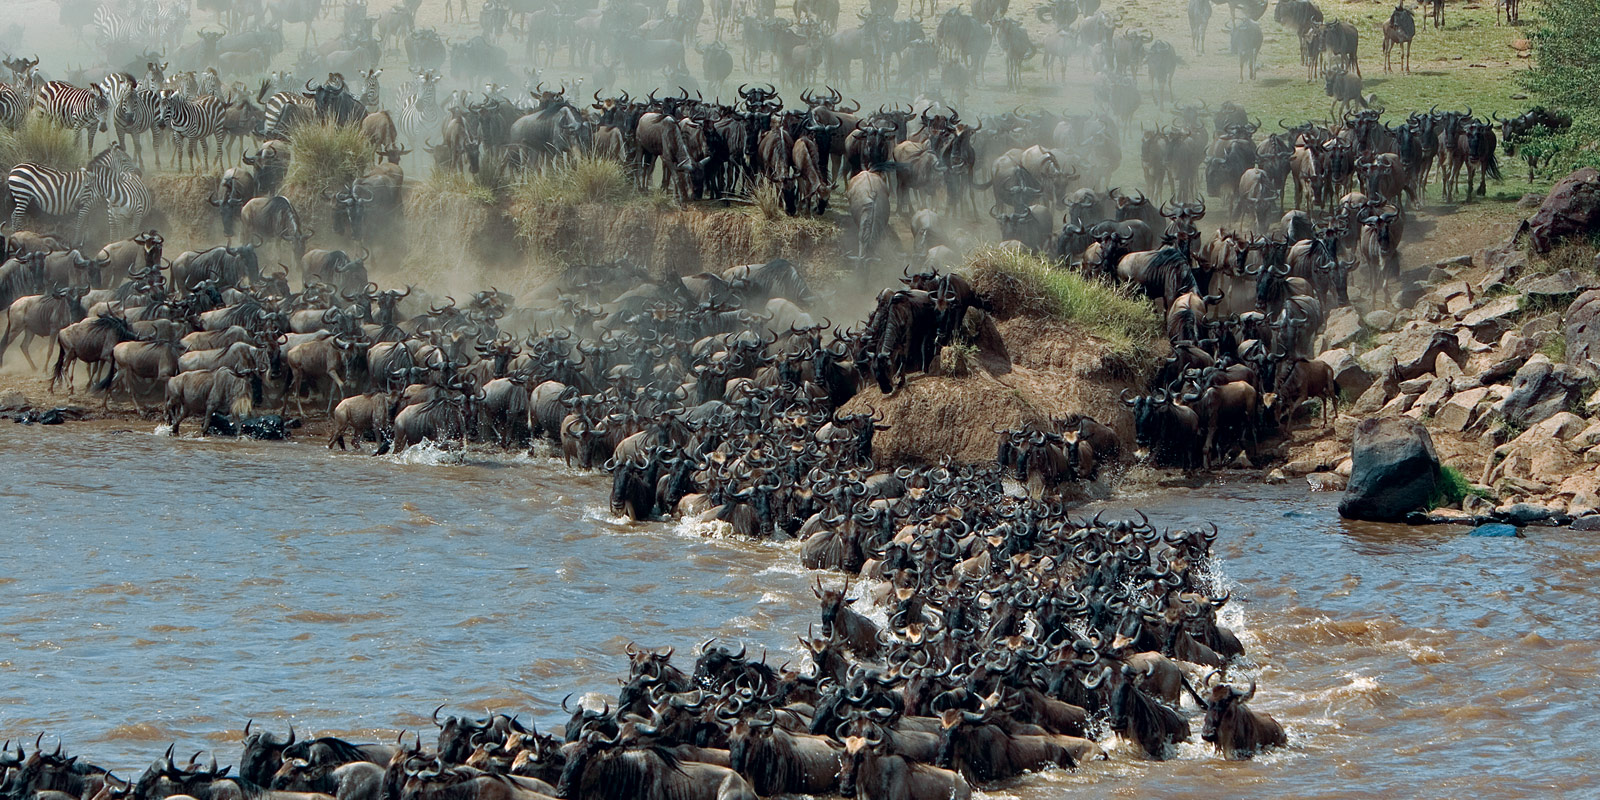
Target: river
point(158, 590)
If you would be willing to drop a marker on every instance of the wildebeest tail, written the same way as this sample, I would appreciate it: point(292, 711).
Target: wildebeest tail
point(1491, 166)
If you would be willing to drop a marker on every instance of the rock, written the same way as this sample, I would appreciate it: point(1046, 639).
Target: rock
point(1458, 305)
point(1537, 330)
point(1476, 506)
point(1370, 401)
point(1539, 391)
point(1345, 467)
point(1275, 478)
point(1379, 320)
point(1571, 209)
point(1347, 372)
point(1581, 327)
point(1496, 529)
point(1298, 467)
point(13, 400)
point(1395, 470)
point(1459, 261)
point(1460, 411)
point(1527, 514)
point(1416, 385)
point(1562, 426)
point(1530, 201)
point(1564, 284)
point(1399, 405)
point(1326, 482)
point(1438, 391)
point(1493, 318)
point(1378, 361)
point(1446, 367)
point(1552, 462)
point(1416, 348)
point(1343, 327)
point(1589, 523)
point(1589, 436)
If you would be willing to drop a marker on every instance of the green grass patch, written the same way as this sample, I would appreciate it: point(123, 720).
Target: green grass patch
point(40, 141)
point(327, 157)
point(1019, 283)
point(1453, 487)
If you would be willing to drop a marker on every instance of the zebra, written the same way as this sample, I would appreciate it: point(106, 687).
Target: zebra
point(419, 106)
point(193, 121)
point(59, 193)
point(13, 106)
point(370, 96)
point(138, 115)
point(74, 108)
point(115, 30)
point(283, 111)
point(211, 83)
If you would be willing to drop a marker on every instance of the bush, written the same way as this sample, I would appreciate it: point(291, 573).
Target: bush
point(1019, 283)
point(1453, 488)
point(327, 157)
point(1566, 75)
point(40, 141)
point(575, 181)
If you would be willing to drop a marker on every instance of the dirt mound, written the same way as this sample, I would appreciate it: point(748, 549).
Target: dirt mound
point(1055, 370)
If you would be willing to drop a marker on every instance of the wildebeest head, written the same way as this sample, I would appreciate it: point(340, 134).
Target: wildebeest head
point(1222, 703)
point(263, 754)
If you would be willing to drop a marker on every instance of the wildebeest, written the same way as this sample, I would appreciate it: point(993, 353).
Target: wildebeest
point(1155, 727)
point(42, 315)
point(202, 393)
point(1235, 730)
point(870, 771)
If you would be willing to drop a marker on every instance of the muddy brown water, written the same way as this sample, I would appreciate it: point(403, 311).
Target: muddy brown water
point(156, 590)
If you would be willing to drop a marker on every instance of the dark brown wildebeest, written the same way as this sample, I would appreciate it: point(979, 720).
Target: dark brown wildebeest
point(1236, 731)
point(870, 770)
point(89, 341)
point(1398, 31)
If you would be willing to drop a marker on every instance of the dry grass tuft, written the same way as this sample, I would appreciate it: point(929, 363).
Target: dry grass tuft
point(40, 141)
point(327, 157)
point(575, 181)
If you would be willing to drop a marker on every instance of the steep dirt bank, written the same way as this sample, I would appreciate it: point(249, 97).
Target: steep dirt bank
point(1045, 369)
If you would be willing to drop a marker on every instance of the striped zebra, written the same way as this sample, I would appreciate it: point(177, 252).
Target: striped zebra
point(370, 96)
point(13, 106)
point(138, 116)
point(193, 121)
point(76, 109)
point(61, 193)
point(419, 107)
point(114, 29)
point(211, 83)
point(283, 111)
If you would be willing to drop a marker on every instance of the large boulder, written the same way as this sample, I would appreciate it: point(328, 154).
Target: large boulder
point(1394, 470)
point(1581, 327)
point(1571, 209)
point(1540, 390)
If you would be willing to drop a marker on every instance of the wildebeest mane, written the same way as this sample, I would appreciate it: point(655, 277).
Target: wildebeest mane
point(327, 749)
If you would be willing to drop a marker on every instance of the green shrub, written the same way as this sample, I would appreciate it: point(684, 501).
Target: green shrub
point(1453, 487)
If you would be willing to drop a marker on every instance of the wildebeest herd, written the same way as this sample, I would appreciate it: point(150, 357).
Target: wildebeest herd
point(1017, 636)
